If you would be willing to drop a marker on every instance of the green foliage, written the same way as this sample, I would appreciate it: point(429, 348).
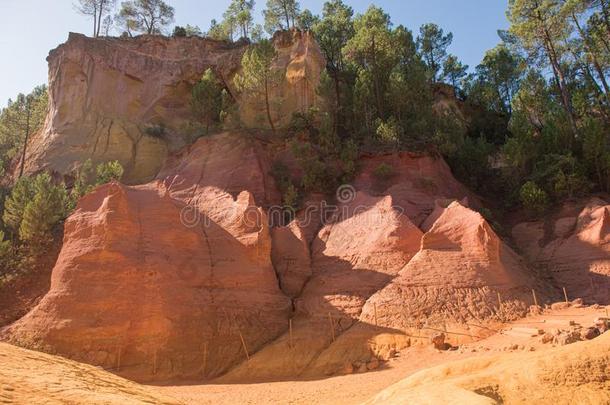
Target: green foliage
point(562, 176)
point(179, 31)
point(533, 198)
point(318, 176)
point(21, 118)
point(239, 16)
point(291, 197)
point(280, 15)
point(306, 20)
point(349, 159)
point(258, 76)
point(433, 44)
point(372, 50)
point(21, 195)
point(43, 212)
point(383, 172)
point(388, 134)
point(207, 100)
point(145, 16)
point(454, 71)
point(497, 79)
point(5, 248)
point(596, 153)
point(108, 172)
point(333, 31)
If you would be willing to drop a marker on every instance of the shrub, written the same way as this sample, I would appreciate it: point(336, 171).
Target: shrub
point(43, 212)
point(388, 133)
point(179, 31)
point(22, 193)
point(207, 100)
point(383, 172)
point(533, 198)
point(290, 199)
point(5, 247)
point(107, 172)
point(156, 131)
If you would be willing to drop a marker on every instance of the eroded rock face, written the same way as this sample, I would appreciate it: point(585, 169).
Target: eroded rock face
point(577, 253)
point(301, 62)
point(357, 254)
point(415, 183)
point(456, 276)
point(152, 289)
point(128, 99)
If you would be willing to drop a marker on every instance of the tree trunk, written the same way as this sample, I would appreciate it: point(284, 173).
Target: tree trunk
point(560, 81)
point(28, 108)
point(595, 61)
point(94, 21)
point(337, 123)
point(606, 14)
point(267, 105)
point(99, 19)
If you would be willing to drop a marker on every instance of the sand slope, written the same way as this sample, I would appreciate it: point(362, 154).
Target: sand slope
point(28, 377)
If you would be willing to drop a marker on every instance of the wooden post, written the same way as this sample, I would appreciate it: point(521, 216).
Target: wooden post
point(290, 333)
point(155, 362)
point(499, 301)
point(375, 307)
point(243, 342)
point(332, 326)
point(535, 299)
point(565, 294)
point(118, 360)
point(205, 357)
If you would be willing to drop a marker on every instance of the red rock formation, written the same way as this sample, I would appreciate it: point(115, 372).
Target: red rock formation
point(460, 268)
point(150, 288)
point(577, 253)
point(357, 254)
point(415, 183)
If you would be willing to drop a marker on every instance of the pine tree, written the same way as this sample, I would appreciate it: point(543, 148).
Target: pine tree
point(433, 44)
point(280, 15)
point(43, 212)
point(258, 75)
point(207, 100)
point(14, 207)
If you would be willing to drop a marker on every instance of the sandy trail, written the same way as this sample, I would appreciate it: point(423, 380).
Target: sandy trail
point(357, 388)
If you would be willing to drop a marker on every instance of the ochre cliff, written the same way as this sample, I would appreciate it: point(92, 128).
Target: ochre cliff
point(130, 99)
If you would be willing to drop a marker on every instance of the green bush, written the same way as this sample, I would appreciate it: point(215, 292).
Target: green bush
point(44, 211)
point(20, 196)
point(5, 247)
point(107, 172)
point(388, 134)
point(179, 31)
point(533, 198)
point(383, 172)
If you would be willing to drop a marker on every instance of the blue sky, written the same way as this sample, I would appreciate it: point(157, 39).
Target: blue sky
point(30, 28)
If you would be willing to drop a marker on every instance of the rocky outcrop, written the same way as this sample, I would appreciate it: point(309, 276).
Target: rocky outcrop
point(301, 62)
point(415, 182)
point(574, 247)
point(128, 99)
point(356, 254)
point(545, 377)
point(172, 278)
point(462, 272)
